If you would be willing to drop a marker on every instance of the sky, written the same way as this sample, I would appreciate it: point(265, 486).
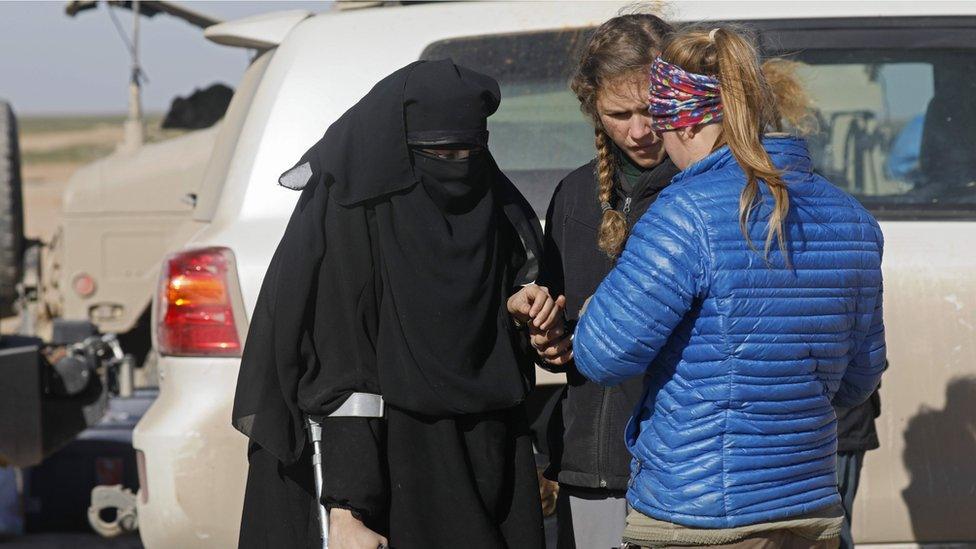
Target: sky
point(51, 63)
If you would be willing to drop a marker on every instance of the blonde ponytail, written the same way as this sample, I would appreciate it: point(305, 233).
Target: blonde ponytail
point(793, 105)
point(749, 107)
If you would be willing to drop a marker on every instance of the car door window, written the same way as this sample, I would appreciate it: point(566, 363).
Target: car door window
point(896, 125)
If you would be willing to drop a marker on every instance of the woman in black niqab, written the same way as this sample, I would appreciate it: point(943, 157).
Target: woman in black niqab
point(391, 278)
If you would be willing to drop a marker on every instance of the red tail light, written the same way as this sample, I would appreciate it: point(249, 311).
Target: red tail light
point(199, 309)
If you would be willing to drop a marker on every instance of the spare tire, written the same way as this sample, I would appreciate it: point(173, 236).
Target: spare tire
point(11, 210)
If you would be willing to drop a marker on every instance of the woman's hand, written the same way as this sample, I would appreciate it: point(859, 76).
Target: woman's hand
point(554, 346)
point(534, 306)
point(348, 532)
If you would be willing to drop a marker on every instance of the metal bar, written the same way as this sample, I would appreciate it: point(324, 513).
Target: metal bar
point(315, 434)
point(356, 405)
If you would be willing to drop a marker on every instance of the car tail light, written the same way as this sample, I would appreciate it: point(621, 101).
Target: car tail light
point(199, 309)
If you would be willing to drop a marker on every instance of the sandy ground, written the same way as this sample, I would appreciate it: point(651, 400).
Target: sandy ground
point(48, 141)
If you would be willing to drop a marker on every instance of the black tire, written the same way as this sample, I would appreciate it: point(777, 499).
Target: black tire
point(11, 210)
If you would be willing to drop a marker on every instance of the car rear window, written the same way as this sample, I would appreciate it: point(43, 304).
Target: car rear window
point(893, 97)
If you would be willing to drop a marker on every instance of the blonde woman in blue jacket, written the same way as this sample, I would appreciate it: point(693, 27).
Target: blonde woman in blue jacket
point(749, 298)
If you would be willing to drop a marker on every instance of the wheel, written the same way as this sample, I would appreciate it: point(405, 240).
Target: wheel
point(11, 210)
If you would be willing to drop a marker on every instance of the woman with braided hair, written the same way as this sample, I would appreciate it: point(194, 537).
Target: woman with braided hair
point(589, 217)
point(748, 297)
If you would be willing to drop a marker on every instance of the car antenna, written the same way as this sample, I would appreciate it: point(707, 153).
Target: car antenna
point(134, 128)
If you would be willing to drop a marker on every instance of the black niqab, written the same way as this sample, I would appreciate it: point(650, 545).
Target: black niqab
point(445, 104)
point(438, 343)
point(455, 185)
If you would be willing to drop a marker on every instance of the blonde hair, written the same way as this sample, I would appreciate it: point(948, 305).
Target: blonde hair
point(793, 106)
point(756, 99)
point(624, 45)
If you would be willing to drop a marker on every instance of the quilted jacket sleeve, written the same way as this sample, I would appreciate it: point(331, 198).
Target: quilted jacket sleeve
point(864, 372)
point(640, 303)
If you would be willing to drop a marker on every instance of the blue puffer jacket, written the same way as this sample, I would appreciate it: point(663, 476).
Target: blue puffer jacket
point(741, 358)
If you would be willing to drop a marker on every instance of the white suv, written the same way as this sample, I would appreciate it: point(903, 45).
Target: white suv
point(894, 87)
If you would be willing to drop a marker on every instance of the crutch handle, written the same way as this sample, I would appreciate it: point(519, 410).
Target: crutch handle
point(356, 405)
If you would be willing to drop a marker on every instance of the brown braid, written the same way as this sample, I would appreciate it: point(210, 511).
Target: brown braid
point(618, 48)
point(613, 226)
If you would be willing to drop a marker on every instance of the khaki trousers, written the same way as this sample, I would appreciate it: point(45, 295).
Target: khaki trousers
point(776, 539)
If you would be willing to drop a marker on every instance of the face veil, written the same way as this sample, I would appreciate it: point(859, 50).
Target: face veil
point(456, 185)
point(446, 115)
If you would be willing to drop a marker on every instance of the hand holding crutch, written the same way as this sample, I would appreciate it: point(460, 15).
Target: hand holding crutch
point(350, 532)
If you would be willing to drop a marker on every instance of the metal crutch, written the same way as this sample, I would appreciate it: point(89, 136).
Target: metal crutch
point(357, 405)
point(315, 435)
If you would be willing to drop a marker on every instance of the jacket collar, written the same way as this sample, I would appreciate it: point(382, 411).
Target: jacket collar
point(788, 153)
point(650, 182)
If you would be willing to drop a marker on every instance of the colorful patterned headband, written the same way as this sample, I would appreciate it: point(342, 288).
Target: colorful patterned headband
point(680, 98)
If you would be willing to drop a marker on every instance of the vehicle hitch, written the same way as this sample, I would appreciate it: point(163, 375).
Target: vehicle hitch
point(113, 498)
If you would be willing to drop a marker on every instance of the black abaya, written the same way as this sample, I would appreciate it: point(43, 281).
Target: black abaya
point(374, 288)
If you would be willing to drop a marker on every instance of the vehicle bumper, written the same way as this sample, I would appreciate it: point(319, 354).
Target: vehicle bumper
point(195, 462)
